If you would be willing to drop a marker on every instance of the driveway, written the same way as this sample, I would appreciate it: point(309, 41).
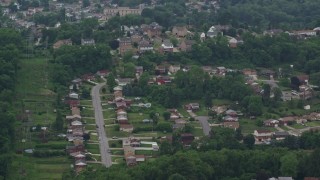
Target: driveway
point(204, 123)
point(104, 145)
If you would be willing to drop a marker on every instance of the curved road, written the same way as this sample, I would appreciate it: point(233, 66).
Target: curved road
point(103, 140)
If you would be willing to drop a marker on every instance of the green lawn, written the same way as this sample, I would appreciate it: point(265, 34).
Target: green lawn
point(93, 148)
point(248, 126)
point(91, 127)
point(24, 167)
point(147, 153)
point(86, 103)
point(87, 113)
point(298, 126)
point(115, 144)
point(112, 132)
point(197, 132)
point(313, 123)
point(89, 120)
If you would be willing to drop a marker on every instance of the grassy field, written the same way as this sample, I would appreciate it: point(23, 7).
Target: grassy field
point(33, 95)
point(248, 126)
point(25, 167)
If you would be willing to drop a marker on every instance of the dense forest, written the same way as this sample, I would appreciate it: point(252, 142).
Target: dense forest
point(10, 45)
point(224, 157)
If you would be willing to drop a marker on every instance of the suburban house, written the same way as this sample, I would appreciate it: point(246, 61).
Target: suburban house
point(74, 95)
point(139, 70)
point(77, 82)
point(122, 11)
point(125, 45)
point(179, 31)
point(231, 112)
point(186, 45)
point(192, 106)
point(123, 81)
point(221, 70)
point(87, 42)
point(160, 80)
point(231, 124)
point(187, 139)
point(287, 120)
point(102, 73)
point(207, 69)
point(160, 69)
point(136, 38)
point(80, 165)
point(152, 30)
point(250, 73)
point(174, 68)
point(230, 118)
point(305, 92)
point(63, 42)
point(131, 141)
point(280, 135)
point(212, 32)
point(88, 77)
point(145, 46)
point(72, 102)
point(271, 123)
point(131, 160)
point(167, 46)
point(262, 135)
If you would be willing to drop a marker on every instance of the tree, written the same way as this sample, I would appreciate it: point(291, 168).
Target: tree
point(277, 94)
point(207, 100)
point(249, 141)
point(289, 165)
point(85, 3)
point(166, 115)
point(164, 126)
point(165, 148)
point(111, 82)
point(59, 121)
point(266, 93)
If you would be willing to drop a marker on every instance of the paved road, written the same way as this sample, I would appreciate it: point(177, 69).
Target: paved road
point(104, 145)
point(204, 123)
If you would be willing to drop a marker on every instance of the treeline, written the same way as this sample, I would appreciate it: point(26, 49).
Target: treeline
point(220, 157)
point(10, 45)
point(74, 61)
point(265, 14)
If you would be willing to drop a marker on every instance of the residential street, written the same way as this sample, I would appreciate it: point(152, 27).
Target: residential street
point(104, 145)
point(204, 123)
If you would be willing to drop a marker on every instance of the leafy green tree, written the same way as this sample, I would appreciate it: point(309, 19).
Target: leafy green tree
point(289, 165)
point(59, 121)
point(165, 148)
point(277, 94)
point(166, 115)
point(249, 141)
point(111, 82)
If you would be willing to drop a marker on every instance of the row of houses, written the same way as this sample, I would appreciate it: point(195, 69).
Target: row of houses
point(284, 121)
point(130, 144)
point(75, 135)
point(121, 105)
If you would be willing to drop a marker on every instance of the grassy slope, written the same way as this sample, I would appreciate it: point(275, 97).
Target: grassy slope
point(32, 94)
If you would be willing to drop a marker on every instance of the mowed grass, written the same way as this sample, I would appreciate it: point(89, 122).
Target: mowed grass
point(32, 77)
point(24, 167)
point(33, 92)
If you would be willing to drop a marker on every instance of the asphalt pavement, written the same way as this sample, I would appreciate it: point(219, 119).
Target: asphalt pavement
point(103, 140)
point(204, 123)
